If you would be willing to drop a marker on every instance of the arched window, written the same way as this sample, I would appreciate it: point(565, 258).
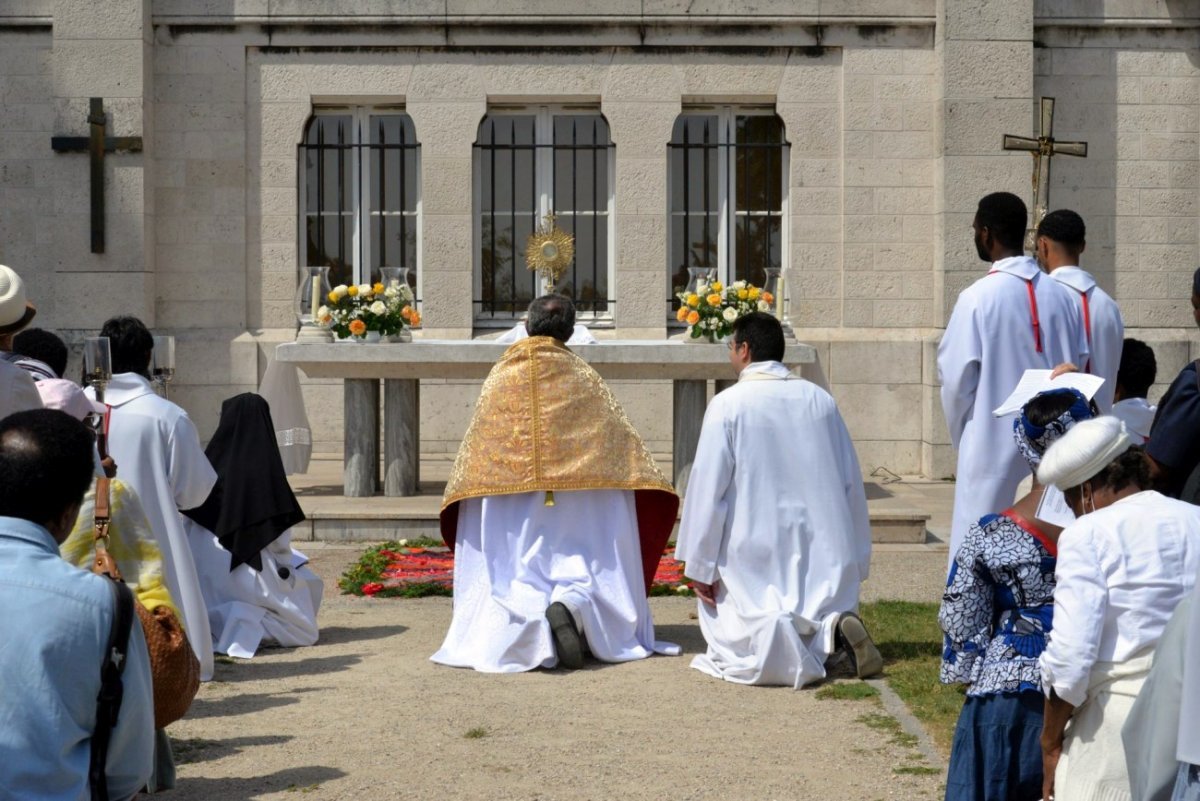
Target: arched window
point(728, 190)
point(531, 161)
point(360, 185)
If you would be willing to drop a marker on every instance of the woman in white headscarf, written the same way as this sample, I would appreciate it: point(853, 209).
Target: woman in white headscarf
point(1123, 567)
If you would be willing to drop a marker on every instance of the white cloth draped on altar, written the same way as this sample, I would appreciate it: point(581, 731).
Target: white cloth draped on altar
point(514, 556)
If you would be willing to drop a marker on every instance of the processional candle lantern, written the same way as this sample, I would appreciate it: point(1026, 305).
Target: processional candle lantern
point(311, 295)
point(97, 372)
point(162, 362)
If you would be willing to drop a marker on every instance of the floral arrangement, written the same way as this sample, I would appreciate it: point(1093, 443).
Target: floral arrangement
point(353, 310)
point(415, 568)
point(711, 310)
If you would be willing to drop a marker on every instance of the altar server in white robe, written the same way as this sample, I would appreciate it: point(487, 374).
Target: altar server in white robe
point(1123, 566)
point(557, 515)
point(1187, 750)
point(158, 453)
point(258, 589)
point(1013, 319)
point(775, 533)
point(1060, 243)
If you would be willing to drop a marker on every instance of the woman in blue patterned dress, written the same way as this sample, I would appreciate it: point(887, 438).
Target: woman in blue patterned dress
point(996, 613)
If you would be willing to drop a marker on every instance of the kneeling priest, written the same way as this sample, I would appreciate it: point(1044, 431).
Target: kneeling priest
point(556, 512)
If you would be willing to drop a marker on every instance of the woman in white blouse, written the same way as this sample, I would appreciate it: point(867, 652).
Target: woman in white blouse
point(1129, 558)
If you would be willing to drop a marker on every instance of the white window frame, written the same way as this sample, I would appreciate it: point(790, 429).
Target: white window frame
point(360, 190)
point(727, 215)
point(544, 114)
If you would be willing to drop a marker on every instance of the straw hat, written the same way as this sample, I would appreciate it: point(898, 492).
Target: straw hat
point(15, 310)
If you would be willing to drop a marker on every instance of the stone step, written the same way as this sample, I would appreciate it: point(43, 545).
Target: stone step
point(332, 517)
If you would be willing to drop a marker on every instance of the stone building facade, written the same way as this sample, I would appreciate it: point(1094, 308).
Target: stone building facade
point(891, 113)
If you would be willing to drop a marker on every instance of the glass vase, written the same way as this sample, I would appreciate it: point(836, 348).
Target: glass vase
point(394, 276)
point(312, 294)
point(698, 277)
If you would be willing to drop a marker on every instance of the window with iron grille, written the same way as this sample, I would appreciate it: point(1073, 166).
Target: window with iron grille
point(529, 162)
point(360, 193)
point(728, 194)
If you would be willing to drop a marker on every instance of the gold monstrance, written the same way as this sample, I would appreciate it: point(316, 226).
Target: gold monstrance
point(549, 251)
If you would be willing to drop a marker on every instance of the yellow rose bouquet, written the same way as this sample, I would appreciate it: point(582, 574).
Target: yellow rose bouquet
point(354, 310)
point(711, 310)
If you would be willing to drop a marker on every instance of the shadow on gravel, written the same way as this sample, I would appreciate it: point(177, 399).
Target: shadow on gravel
point(688, 637)
point(302, 780)
point(241, 704)
point(197, 749)
point(339, 635)
point(266, 668)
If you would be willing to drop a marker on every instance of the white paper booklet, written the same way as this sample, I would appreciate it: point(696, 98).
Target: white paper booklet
point(1037, 381)
point(1054, 508)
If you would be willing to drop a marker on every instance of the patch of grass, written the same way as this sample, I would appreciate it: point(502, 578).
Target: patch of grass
point(308, 788)
point(477, 733)
point(910, 640)
point(847, 691)
point(916, 770)
point(222, 659)
point(887, 724)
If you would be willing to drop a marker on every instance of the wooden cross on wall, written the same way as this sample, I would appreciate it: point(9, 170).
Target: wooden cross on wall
point(96, 144)
point(1043, 148)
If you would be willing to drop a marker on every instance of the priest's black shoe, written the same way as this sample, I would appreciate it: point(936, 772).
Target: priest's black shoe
point(568, 643)
point(852, 635)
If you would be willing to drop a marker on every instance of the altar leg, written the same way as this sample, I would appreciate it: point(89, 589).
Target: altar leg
point(401, 436)
point(360, 471)
point(688, 411)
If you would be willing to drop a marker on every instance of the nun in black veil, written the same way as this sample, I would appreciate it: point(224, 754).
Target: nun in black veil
point(255, 585)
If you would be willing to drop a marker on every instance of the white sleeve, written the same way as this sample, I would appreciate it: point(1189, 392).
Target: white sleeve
point(1080, 603)
point(702, 527)
point(192, 476)
point(856, 498)
point(959, 355)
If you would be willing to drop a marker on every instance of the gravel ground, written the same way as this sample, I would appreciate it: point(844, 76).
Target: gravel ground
point(364, 713)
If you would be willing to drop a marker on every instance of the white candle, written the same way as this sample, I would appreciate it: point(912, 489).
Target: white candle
point(316, 296)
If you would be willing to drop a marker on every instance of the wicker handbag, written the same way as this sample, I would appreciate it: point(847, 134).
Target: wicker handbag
point(173, 665)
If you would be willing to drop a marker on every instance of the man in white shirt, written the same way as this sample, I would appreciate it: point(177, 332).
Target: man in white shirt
point(1013, 319)
point(1135, 376)
point(158, 453)
point(17, 392)
point(1123, 566)
point(775, 533)
point(1060, 243)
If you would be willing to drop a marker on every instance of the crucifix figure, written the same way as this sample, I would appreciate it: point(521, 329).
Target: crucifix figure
point(1043, 148)
point(96, 144)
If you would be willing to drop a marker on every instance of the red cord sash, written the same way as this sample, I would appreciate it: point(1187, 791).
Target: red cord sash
point(1087, 329)
point(1033, 311)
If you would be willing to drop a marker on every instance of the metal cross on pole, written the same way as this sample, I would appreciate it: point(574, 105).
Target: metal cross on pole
point(96, 144)
point(1043, 148)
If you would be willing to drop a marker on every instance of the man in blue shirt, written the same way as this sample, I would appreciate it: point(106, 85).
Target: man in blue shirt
point(1174, 445)
point(55, 625)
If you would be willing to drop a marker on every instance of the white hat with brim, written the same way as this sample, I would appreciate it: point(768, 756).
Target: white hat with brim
point(1083, 452)
point(16, 311)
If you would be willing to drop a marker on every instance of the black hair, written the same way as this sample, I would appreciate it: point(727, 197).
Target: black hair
point(46, 464)
point(45, 346)
point(1128, 469)
point(763, 333)
point(551, 316)
point(131, 345)
point(1196, 282)
point(1138, 369)
point(1064, 227)
point(1004, 214)
point(1047, 407)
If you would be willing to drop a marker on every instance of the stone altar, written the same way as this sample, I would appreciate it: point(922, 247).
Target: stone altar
point(402, 366)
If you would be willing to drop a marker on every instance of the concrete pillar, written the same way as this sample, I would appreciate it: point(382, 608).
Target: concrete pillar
point(401, 436)
point(360, 470)
point(104, 49)
point(690, 398)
